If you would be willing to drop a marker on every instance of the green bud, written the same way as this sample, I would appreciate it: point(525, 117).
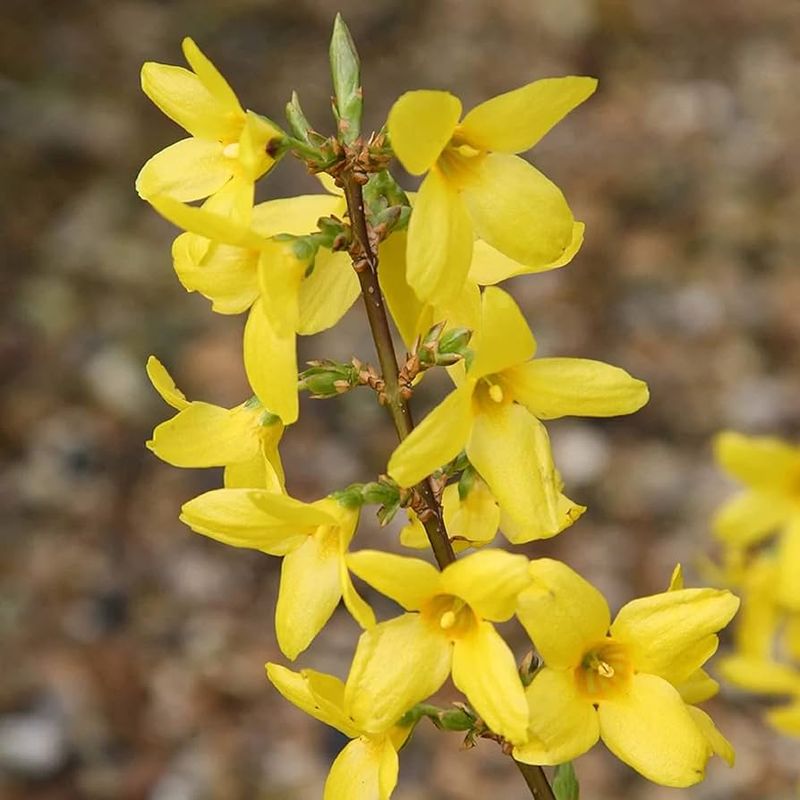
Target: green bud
point(565, 783)
point(382, 191)
point(351, 497)
point(457, 719)
point(345, 70)
point(299, 125)
point(466, 482)
point(328, 378)
point(381, 492)
point(455, 341)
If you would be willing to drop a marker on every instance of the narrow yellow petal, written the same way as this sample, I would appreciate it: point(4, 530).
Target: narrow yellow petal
point(489, 581)
point(476, 518)
point(578, 387)
point(758, 461)
point(697, 688)
point(397, 664)
point(749, 516)
point(164, 385)
point(439, 247)
point(412, 534)
point(211, 78)
point(490, 266)
point(785, 719)
point(517, 120)
point(190, 169)
point(519, 211)
point(485, 670)
point(439, 438)
point(310, 590)
point(562, 613)
point(760, 675)
point(366, 769)
point(504, 339)
point(667, 631)
point(403, 304)
point(293, 215)
point(787, 590)
point(280, 273)
point(650, 729)
point(420, 124)
point(271, 364)
point(522, 531)
point(257, 473)
point(327, 293)
point(408, 581)
point(563, 724)
point(321, 696)
point(510, 449)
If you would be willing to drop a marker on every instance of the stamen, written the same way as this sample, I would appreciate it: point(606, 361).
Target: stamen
point(604, 669)
point(231, 150)
point(496, 393)
point(447, 620)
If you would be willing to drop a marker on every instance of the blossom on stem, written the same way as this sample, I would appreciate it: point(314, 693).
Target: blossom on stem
point(313, 539)
point(448, 626)
point(243, 439)
point(225, 142)
point(621, 682)
point(495, 415)
point(367, 767)
point(475, 183)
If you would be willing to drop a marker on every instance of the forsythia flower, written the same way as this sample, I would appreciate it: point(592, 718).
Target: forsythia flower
point(495, 413)
point(620, 681)
point(367, 767)
point(243, 439)
point(233, 254)
point(312, 537)
point(770, 469)
point(474, 183)
point(402, 661)
point(225, 140)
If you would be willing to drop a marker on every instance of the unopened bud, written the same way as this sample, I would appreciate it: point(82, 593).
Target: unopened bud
point(328, 378)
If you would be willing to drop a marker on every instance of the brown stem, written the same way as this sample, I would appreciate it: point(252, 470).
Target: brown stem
point(536, 780)
point(367, 271)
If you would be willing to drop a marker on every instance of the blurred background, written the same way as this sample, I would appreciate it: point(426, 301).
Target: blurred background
point(133, 650)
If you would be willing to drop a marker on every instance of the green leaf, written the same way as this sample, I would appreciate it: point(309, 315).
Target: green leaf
point(346, 73)
point(565, 783)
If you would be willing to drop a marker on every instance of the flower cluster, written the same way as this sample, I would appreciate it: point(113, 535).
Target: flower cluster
point(759, 529)
point(480, 462)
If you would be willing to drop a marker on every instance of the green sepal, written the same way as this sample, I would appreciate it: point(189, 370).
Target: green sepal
point(565, 783)
point(299, 125)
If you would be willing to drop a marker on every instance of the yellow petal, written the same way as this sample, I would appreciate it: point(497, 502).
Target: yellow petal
point(271, 364)
point(563, 723)
point(759, 616)
point(247, 518)
point(517, 120)
point(211, 77)
point(310, 590)
point(226, 275)
point(439, 438)
point(293, 215)
point(511, 451)
point(698, 687)
point(749, 516)
point(485, 671)
point(408, 581)
point(420, 124)
point(650, 729)
point(327, 293)
point(164, 385)
point(578, 387)
point(413, 533)
point(490, 266)
point(180, 94)
point(504, 339)
point(521, 531)
point(760, 675)
point(786, 719)
point(366, 769)
point(788, 588)
point(439, 248)
point(667, 631)
point(257, 473)
point(321, 696)
point(403, 304)
point(518, 210)
point(476, 518)
point(190, 169)
point(280, 273)
point(758, 461)
point(562, 613)
point(203, 435)
point(256, 146)
point(397, 664)
point(489, 581)
point(209, 224)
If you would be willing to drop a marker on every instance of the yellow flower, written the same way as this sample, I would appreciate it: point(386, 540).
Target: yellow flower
point(401, 662)
point(495, 413)
point(770, 469)
point(225, 140)
point(618, 681)
point(312, 537)
point(243, 439)
point(231, 255)
point(367, 767)
point(474, 183)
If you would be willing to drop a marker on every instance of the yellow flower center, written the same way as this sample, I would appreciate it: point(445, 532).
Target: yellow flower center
point(327, 537)
point(490, 393)
point(605, 670)
point(461, 163)
point(450, 615)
